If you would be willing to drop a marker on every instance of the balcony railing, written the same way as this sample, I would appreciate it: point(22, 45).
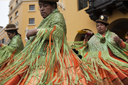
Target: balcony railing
point(98, 7)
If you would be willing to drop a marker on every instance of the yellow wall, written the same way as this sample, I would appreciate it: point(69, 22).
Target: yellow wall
point(75, 19)
point(78, 20)
point(117, 15)
point(23, 16)
point(26, 14)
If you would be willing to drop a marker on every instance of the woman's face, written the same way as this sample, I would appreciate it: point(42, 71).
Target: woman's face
point(45, 9)
point(101, 28)
point(10, 35)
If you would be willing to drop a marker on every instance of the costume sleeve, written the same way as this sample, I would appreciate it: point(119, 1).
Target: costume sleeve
point(126, 46)
point(13, 45)
point(82, 50)
point(122, 44)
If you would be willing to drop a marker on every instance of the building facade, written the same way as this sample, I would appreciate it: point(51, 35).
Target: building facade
point(81, 14)
point(116, 10)
point(25, 15)
point(78, 15)
point(3, 37)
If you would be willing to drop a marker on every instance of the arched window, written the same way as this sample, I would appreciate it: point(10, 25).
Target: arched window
point(120, 27)
point(81, 34)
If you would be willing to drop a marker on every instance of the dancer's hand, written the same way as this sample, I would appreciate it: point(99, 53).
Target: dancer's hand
point(117, 39)
point(87, 37)
point(31, 32)
point(126, 39)
point(0, 44)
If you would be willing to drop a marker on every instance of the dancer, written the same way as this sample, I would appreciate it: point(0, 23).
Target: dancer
point(107, 55)
point(13, 48)
point(46, 58)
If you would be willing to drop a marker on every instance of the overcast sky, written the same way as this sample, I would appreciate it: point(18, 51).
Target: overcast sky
point(4, 11)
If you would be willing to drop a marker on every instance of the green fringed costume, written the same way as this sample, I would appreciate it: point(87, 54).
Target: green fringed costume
point(107, 58)
point(8, 51)
point(47, 59)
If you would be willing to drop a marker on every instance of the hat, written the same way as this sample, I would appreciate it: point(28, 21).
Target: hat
point(11, 27)
point(102, 19)
point(85, 31)
point(49, 0)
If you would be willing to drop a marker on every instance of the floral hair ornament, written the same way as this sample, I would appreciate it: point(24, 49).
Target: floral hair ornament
point(83, 31)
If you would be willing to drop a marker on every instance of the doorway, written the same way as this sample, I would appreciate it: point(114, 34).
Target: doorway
point(120, 27)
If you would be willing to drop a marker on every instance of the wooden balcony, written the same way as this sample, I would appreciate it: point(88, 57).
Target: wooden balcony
point(98, 7)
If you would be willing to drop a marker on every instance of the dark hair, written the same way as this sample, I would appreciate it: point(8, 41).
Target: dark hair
point(14, 31)
point(103, 23)
point(51, 3)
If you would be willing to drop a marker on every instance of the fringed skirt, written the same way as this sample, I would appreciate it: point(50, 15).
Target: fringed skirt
point(67, 69)
point(109, 71)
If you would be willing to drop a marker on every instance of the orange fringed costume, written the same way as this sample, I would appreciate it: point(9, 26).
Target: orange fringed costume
point(47, 59)
point(108, 58)
point(7, 52)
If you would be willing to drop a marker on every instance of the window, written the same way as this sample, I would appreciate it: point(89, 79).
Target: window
point(16, 14)
point(2, 41)
point(31, 7)
point(16, 1)
point(16, 24)
point(10, 18)
point(11, 8)
point(31, 21)
point(82, 4)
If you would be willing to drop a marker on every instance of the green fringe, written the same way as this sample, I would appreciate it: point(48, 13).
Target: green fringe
point(30, 53)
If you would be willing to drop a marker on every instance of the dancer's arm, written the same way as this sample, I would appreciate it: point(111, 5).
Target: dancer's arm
point(120, 41)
